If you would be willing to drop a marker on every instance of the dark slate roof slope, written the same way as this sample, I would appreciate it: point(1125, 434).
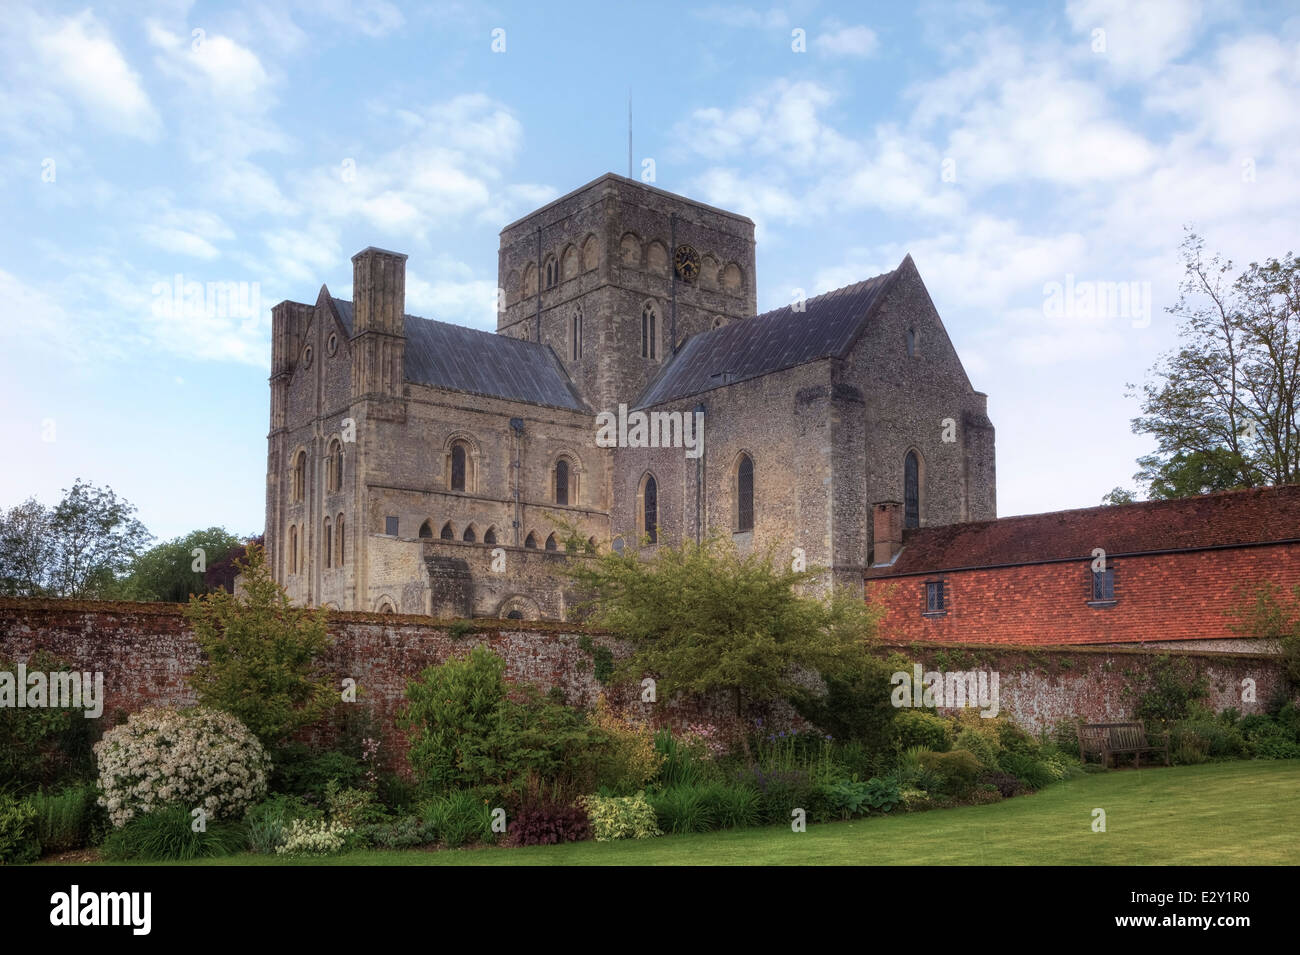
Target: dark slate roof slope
point(479, 363)
point(1227, 519)
point(783, 338)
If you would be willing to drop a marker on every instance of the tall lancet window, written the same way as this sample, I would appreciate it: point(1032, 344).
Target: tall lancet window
point(649, 332)
point(745, 494)
point(577, 334)
point(911, 490)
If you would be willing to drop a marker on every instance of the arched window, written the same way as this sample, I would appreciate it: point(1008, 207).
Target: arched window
point(469, 536)
point(911, 490)
point(447, 533)
point(458, 457)
point(299, 483)
point(293, 549)
point(650, 510)
point(327, 543)
point(551, 543)
point(426, 530)
point(577, 334)
point(342, 550)
point(552, 272)
point(562, 481)
point(649, 331)
point(531, 541)
point(911, 342)
point(334, 467)
point(490, 536)
point(745, 494)
point(515, 615)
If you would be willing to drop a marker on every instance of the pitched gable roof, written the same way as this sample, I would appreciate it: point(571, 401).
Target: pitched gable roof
point(1228, 519)
point(480, 363)
point(828, 327)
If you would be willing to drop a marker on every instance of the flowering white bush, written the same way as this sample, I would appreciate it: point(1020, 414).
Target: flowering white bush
point(319, 838)
point(200, 758)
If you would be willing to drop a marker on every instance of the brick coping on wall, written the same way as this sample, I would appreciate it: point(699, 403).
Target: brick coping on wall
point(1010, 648)
point(162, 609)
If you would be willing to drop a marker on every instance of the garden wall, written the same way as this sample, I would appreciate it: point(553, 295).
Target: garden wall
point(146, 651)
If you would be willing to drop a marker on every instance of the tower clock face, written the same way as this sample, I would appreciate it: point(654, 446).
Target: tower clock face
point(687, 263)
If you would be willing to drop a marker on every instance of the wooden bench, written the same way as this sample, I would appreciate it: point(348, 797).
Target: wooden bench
point(1108, 739)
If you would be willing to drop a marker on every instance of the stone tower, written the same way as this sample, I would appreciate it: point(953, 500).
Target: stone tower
point(597, 275)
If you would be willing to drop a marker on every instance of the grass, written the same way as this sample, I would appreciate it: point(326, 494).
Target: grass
point(1237, 813)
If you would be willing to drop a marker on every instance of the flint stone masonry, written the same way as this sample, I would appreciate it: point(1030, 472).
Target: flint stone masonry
point(146, 651)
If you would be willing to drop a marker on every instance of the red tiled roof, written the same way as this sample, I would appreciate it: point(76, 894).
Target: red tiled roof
point(1228, 519)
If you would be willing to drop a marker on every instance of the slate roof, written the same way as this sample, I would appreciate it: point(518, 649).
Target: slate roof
point(1226, 519)
point(783, 338)
point(479, 363)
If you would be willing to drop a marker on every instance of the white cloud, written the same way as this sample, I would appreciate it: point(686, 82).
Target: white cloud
point(1140, 39)
point(847, 41)
point(78, 57)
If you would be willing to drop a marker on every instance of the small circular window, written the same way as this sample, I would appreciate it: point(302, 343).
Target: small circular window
point(306, 358)
point(332, 345)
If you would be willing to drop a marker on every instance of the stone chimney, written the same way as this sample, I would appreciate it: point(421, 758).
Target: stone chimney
point(887, 530)
point(378, 325)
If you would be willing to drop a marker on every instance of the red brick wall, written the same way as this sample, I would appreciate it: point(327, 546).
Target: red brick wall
point(1159, 597)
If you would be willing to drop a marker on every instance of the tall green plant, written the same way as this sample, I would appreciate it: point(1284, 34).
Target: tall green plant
point(261, 654)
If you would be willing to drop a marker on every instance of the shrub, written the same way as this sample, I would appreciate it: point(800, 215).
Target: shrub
point(1190, 749)
point(167, 833)
point(44, 746)
point(1012, 739)
point(467, 731)
point(313, 837)
point(919, 728)
point(67, 820)
point(985, 746)
point(299, 770)
point(1209, 737)
point(352, 808)
point(628, 758)
point(200, 757)
point(1173, 687)
point(458, 818)
point(542, 825)
point(844, 799)
point(19, 843)
point(400, 833)
point(856, 705)
point(958, 768)
point(1276, 747)
point(732, 806)
point(1027, 769)
point(779, 792)
point(621, 817)
point(882, 794)
point(267, 822)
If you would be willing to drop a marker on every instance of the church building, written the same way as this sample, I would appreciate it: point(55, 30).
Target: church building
point(417, 466)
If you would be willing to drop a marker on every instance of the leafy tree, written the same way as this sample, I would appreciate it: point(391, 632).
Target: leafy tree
point(1173, 687)
point(702, 618)
point(166, 571)
point(222, 574)
point(1222, 408)
point(857, 704)
point(262, 654)
point(94, 539)
point(25, 549)
point(1117, 495)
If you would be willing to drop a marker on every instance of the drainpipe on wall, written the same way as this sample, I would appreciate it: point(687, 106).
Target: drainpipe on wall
point(699, 483)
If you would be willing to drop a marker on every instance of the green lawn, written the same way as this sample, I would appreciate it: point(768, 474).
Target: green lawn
point(1238, 813)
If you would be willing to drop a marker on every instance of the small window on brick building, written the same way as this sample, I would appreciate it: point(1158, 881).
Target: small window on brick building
point(531, 541)
point(390, 526)
point(1103, 586)
point(490, 537)
point(935, 599)
point(447, 533)
point(426, 530)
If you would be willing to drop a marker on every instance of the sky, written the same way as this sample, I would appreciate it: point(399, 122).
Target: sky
point(1022, 153)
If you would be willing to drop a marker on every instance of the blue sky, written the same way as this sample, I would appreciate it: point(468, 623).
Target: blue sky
point(1005, 147)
